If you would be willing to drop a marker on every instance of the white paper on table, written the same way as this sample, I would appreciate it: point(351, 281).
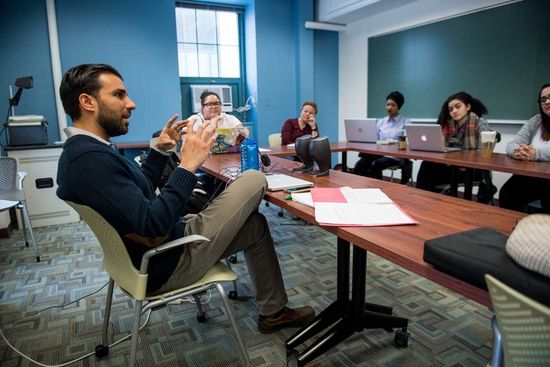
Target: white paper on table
point(360, 214)
point(291, 145)
point(263, 150)
point(365, 196)
point(303, 198)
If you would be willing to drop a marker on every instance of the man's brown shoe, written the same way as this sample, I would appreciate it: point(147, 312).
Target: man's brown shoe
point(287, 317)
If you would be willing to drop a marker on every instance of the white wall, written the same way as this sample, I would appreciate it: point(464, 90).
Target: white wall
point(354, 55)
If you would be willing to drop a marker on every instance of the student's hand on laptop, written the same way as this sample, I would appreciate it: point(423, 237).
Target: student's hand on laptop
point(170, 134)
point(197, 145)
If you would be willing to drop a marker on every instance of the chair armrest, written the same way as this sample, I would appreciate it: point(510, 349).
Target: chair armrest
point(21, 176)
point(168, 246)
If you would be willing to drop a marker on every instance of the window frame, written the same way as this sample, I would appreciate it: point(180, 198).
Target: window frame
point(238, 87)
point(240, 29)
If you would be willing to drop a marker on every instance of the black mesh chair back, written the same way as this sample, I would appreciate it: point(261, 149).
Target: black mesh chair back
point(8, 173)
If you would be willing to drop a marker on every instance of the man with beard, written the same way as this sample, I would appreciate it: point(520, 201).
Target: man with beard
point(92, 173)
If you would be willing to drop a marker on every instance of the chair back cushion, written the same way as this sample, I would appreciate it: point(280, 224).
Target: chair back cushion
point(8, 173)
point(275, 139)
point(529, 243)
point(116, 260)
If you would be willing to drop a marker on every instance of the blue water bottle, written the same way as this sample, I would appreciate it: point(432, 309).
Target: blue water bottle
point(249, 155)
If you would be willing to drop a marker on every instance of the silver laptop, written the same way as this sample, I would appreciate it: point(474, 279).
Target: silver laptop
point(428, 137)
point(361, 130)
point(279, 182)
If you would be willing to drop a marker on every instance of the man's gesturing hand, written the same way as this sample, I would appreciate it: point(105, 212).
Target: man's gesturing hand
point(170, 134)
point(197, 145)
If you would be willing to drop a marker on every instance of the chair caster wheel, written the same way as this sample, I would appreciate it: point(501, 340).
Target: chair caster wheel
point(233, 295)
point(292, 358)
point(233, 259)
point(38, 259)
point(388, 329)
point(101, 351)
point(201, 317)
point(280, 214)
point(402, 338)
point(26, 244)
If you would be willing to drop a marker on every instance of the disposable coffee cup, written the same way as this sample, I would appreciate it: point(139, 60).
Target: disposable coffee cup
point(402, 142)
point(488, 139)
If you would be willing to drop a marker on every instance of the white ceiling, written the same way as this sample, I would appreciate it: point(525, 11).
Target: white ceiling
point(347, 11)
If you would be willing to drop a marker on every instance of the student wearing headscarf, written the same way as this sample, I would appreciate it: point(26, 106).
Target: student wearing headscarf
point(389, 127)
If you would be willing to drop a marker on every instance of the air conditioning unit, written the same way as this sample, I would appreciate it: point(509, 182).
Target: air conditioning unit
point(224, 91)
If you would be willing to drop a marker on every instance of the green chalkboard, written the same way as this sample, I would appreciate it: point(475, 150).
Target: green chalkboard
point(499, 55)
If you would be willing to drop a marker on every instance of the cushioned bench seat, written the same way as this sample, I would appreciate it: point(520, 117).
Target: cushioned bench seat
point(470, 255)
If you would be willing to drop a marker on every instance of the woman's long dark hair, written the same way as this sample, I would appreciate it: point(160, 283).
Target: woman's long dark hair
point(545, 128)
point(476, 107)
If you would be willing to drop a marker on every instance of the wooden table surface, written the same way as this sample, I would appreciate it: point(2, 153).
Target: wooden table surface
point(437, 215)
point(465, 158)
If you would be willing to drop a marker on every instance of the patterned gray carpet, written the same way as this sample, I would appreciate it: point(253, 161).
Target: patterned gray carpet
point(447, 330)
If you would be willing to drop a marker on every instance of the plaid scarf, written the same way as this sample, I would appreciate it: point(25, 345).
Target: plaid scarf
point(463, 133)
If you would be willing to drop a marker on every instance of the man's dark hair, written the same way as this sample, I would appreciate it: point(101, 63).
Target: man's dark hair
point(82, 79)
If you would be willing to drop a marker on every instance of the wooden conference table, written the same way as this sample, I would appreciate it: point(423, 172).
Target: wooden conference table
point(471, 159)
point(437, 216)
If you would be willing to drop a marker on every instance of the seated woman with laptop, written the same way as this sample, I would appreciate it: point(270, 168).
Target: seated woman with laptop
point(531, 143)
point(462, 123)
point(389, 127)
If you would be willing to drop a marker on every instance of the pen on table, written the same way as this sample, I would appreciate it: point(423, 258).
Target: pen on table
point(288, 197)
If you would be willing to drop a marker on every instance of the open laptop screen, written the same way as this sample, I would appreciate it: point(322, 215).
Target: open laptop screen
point(427, 137)
point(361, 130)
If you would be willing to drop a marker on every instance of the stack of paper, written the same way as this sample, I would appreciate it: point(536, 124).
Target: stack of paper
point(356, 207)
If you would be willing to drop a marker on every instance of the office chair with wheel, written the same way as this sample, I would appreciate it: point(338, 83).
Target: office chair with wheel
point(133, 282)
point(522, 325)
point(13, 195)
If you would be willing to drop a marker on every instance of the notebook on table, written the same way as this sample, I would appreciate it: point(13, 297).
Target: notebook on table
point(361, 130)
point(427, 137)
point(229, 140)
point(279, 182)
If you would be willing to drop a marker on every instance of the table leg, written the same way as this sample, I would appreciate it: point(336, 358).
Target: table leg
point(346, 317)
point(453, 191)
point(344, 161)
point(468, 183)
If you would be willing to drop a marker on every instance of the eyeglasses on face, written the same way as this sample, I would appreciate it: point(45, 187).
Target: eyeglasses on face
point(212, 105)
point(544, 99)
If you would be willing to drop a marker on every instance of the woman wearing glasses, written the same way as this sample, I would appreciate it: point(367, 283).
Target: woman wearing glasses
point(211, 112)
point(303, 125)
point(531, 143)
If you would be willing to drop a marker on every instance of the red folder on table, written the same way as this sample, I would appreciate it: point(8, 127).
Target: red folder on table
point(357, 207)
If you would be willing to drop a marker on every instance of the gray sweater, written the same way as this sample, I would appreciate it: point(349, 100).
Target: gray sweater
point(525, 136)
